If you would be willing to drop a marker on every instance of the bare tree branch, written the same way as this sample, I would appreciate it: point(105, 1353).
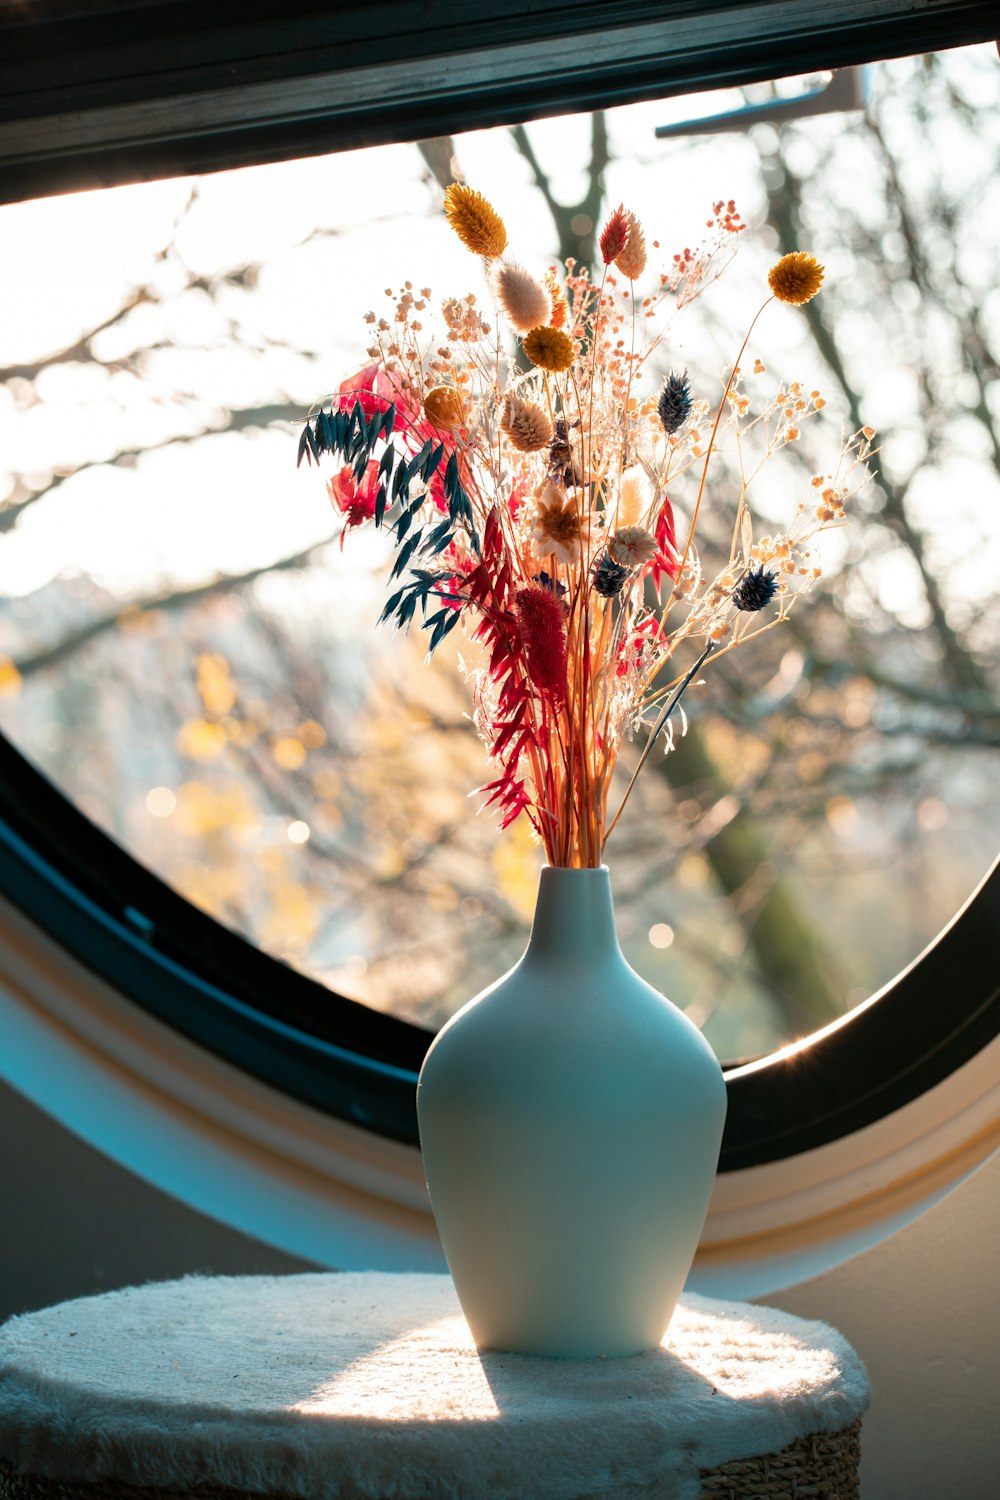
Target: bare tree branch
point(170, 600)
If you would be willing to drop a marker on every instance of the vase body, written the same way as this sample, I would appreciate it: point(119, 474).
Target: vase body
point(570, 1122)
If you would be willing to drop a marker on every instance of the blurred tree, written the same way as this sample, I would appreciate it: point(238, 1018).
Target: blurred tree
point(265, 726)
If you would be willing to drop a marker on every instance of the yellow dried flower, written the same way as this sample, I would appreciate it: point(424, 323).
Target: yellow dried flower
point(444, 407)
point(476, 222)
point(549, 349)
point(525, 424)
point(796, 278)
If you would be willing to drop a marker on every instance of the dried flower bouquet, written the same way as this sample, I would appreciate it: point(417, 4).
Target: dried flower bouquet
point(525, 477)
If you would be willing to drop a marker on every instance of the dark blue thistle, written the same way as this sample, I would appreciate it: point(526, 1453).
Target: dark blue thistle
point(609, 577)
point(674, 405)
point(552, 584)
point(755, 590)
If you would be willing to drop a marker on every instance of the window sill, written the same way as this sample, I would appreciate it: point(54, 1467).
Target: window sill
point(328, 1191)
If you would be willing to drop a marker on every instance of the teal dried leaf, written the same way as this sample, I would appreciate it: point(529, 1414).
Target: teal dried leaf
point(399, 483)
point(391, 605)
point(406, 610)
point(373, 430)
point(380, 503)
point(440, 537)
point(405, 552)
point(417, 462)
point(324, 432)
point(357, 434)
point(433, 459)
point(439, 625)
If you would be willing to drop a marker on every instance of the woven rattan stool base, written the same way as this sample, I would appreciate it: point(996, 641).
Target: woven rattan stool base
point(821, 1467)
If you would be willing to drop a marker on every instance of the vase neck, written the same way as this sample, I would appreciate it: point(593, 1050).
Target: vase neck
point(574, 915)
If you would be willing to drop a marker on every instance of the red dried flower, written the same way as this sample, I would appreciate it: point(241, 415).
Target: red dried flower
point(614, 235)
point(542, 621)
point(355, 502)
point(666, 559)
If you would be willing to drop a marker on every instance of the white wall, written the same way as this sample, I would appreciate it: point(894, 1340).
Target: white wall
point(76, 1223)
point(922, 1308)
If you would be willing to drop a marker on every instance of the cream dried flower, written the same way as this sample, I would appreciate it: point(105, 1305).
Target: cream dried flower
point(630, 546)
point(523, 299)
point(632, 260)
point(560, 526)
point(525, 424)
point(635, 497)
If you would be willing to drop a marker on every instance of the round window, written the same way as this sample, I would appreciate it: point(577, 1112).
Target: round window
point(188, 646)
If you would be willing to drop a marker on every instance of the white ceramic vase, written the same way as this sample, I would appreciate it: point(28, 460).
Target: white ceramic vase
point(570, 1122)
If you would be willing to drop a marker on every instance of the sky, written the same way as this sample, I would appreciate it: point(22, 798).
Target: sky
point(233, 502)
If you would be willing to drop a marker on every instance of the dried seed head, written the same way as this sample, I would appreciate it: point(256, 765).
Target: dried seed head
point(630, 546)
point(445, 408)
point(755, 590)
point(796, 278)
point(542, 621)
point(674, 405)
point(475, 221)
point(525, 302)
point(525, 424)
point(631, 260)
point(614, 235)
point(634, 497)
point(549, 349)
point(609, 577)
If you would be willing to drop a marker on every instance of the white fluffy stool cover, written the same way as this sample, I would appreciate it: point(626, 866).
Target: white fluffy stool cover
point(366, 1386)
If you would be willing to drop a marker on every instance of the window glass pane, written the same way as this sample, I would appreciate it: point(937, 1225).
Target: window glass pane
point(186, 649)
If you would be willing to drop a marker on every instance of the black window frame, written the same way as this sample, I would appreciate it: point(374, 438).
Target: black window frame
point(111, 65)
